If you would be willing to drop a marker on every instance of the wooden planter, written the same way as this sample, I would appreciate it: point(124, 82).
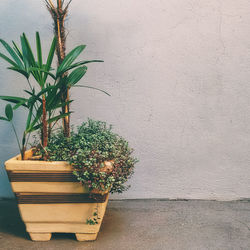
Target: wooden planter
point(50, 199)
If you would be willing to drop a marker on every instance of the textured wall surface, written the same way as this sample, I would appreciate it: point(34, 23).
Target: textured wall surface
point(179, 75)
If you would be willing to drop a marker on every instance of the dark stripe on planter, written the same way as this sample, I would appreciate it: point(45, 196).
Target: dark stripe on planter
point(41, 177)
point(60, 198)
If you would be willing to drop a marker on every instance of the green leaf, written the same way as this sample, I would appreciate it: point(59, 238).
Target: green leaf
point(37, 117)
point(18, 51)
point(4, 119)
point(9, 112)
point(29, 117)
point(61, 104)
point(32, 129)
point(13, 99)
point(8, 60)
point(29, 51)
point(24, 53)
point(33, 98)
point(59, 73)
point(36, 97)
point(23, 103)
point(29, 92)
point(54, 119)
point(54, 100)
point(50, 58)
point(69, 59)
point(76, 75)
point(89, 87)
point(30, 59)
point(39, 50)
point(43, 91)
point(12, 53)
point(21, 71)
point(43, 70)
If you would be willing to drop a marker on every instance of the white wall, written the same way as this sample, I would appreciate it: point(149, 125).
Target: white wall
point(179, 75)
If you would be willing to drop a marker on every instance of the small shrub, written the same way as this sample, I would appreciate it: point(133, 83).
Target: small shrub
point(90, 149)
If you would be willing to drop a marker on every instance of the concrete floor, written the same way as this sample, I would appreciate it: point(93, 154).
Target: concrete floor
point(147, 224)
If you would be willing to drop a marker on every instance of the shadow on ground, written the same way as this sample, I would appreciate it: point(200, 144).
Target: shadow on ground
point(10, 221)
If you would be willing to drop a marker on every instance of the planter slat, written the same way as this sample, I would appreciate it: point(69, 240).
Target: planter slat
point(41, 177)
point(60, 198)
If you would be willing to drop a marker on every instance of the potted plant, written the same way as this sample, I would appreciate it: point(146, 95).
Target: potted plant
point(62, 182)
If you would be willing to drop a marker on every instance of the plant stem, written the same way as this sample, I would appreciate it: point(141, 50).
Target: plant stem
point(19, 146)
point(29, 84)
point(23, 146)
point(27, 140)
point(31, 91)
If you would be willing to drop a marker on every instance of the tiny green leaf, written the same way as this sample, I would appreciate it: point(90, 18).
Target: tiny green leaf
point(9, 112)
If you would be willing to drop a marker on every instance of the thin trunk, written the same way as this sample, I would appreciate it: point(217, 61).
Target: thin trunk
point(45, 124)
point(65, 109)
point(61, 41)
point(59, 14)
point(23, 153)
point(49, 131)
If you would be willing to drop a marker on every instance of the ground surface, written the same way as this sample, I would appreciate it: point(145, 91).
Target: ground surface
point(147, 224)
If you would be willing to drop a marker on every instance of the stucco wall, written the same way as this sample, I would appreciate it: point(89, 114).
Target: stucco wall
point(179, 75)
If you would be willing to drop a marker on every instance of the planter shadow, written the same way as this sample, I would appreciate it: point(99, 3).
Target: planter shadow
point(10, 220)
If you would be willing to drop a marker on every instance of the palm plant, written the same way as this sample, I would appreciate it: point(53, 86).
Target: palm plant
point(23, 61)
point(42, 106)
